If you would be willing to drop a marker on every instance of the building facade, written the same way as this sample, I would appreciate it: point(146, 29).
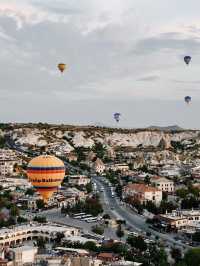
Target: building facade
point(163, 184)
point(182, 219)
point(78, 180)
point(143, 193)
point(8, 160)
point(32, 231)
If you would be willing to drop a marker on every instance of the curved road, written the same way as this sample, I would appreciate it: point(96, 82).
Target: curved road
point(137, 222)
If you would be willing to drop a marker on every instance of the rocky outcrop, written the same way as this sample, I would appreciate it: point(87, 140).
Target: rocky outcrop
point(88, 137)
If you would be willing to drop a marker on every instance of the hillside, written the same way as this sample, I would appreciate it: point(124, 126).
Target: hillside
point(70, 137)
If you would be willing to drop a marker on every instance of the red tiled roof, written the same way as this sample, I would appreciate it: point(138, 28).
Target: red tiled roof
point(141, 188)
point(106, 255)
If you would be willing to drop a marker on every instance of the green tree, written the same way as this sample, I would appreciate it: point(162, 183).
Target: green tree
point(137, 242)
point(91, 246)
point(30, 191)
point(106, 216)
point(158, 257)
point(196, 236)
point(166, 206)
point(2, 142)
point(40, 204)
point(100, 150)
point(182, 193)
point(119, 231)
point(14, 211)
point(176, 254)
point(192, 256)
point(93, 206)
point(21, 219)
point(59, 237)
point(98, 230)
point(41, 243)
point(119, 191)
point(147, 180)
point(189, 203)
point(89, 187)
point(40, 219)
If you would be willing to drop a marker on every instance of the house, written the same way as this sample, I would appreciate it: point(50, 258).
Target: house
point(5, 262)
point(142, 193)
point(72, 195)
point(99, 166)
point(72, 157)
point(78, 180)
point(170, 171)
point(91, 156)
point(125, 263)
point(24, 254)
point(163, 184)
point(107, 257)
point(8, 160)
point(182, 219)
point(196, 173)
point(122, 167)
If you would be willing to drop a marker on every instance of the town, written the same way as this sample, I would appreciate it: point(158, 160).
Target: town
point(128, 197)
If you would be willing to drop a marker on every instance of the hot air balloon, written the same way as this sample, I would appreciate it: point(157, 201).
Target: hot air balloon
point(187, 59)
point(46, 173)
point(61, 67)
point(117, 117)
point(188, 99)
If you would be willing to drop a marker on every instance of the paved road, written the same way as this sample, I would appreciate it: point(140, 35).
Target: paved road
point(54, 215)
point(135, 221)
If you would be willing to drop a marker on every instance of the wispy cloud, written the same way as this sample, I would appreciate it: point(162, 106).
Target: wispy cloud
point(149, 78)
point(24, 13)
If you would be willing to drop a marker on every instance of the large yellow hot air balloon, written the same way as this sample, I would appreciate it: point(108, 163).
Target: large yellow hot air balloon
point(46, 173)
point(61, 67)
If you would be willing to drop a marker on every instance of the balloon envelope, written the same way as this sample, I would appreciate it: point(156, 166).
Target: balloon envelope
point(117, 116)
point(61, 67)
point(187, 59)
point(46, 173)
point(188, 99)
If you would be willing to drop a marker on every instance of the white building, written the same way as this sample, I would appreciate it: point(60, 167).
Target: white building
point(73, 258)
point(117, 167)
point(18, 234)
point(99, 166)
point(170, 171)
point(143, 193)
point(163, 184)
point(7, 161)
point(182, 219)
point(24, 254)
point(13, 182)
point(79, 180)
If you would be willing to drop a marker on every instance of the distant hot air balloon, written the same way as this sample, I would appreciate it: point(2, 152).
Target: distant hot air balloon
point(188, 99)
point(187, 59)
point(117, 117)
point(61, 67)
point(46, 173)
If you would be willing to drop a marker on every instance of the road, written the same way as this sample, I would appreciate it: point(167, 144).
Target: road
point(54, 215)
point(137, 222)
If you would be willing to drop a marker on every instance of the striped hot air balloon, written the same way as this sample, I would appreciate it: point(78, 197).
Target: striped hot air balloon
point(46, 173)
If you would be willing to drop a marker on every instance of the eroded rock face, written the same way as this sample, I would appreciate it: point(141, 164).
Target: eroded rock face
point(87, 138)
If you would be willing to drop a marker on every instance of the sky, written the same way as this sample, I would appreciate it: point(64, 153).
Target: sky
point(122, 56)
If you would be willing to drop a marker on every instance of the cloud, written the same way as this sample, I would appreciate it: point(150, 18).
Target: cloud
point(149, 78)
point(24, 13)
point(186, 81)
point(116, 51)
